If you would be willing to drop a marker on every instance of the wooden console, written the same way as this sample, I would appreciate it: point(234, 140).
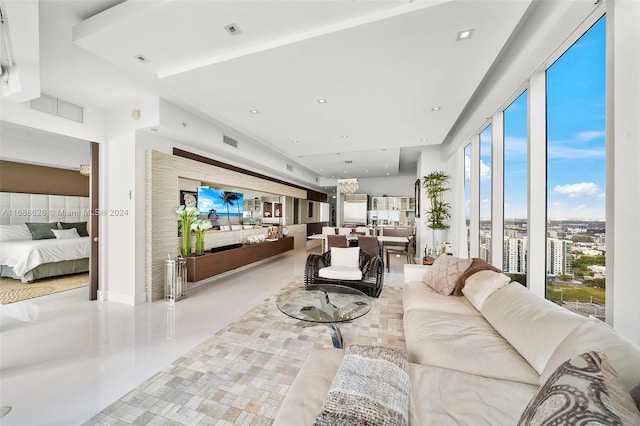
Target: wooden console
point(210, 264)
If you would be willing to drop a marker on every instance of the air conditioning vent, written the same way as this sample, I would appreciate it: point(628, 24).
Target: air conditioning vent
point(229, 141)
point(61, 108)
point(289, 167)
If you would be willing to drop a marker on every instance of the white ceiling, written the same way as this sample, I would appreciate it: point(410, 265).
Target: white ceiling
point(381, 66)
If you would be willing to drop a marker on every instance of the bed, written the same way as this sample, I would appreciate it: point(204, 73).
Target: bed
point(26, 259)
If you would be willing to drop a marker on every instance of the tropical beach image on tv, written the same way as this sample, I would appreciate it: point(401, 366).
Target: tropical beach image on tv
point(221, 207)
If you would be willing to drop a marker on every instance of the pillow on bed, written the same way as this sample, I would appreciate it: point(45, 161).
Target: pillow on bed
point(42, 231)
point(66, 233)
point(14, 232)
point(81, 227)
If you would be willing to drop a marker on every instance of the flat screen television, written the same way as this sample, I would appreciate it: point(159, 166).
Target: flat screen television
point(223, 208)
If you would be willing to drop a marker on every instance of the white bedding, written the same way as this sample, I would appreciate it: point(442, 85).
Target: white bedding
point(25, 255)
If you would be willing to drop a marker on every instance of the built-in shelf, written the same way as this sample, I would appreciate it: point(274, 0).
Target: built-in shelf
point(210, 264)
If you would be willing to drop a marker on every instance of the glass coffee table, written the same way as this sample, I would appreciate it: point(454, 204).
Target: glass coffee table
point(325, 304)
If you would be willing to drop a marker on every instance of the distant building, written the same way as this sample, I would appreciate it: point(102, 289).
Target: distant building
point(515, 255)
point(559, 257)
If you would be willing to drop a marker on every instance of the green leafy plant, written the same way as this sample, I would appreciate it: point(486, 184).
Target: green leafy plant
point(435, 185)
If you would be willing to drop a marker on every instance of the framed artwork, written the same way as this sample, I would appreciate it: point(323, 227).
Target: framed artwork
point(310, 213)
point(417, 195)
point(188, 198)
point(277, 212)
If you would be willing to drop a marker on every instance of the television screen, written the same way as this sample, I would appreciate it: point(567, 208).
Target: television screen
point(221, 207)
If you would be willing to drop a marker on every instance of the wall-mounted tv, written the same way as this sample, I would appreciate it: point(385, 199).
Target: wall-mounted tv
point(223, 208)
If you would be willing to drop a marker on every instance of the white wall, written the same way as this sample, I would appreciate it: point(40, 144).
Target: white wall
point(430, 161)
point(388, 185)
point(623, 175)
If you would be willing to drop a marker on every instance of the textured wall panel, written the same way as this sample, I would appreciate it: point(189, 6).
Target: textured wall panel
point(16, 208)
point(162, 176)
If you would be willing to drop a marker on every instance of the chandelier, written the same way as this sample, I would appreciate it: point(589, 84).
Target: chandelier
point(85, 169)
point(348, 186)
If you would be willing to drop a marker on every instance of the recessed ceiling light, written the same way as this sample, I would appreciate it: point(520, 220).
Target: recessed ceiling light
point(437, 108)
point(232, 29)
point(142, 58)
point(344, 136)
point(254, 111)
point(366, 170)
point(321, 101)
point(387, 173)
point(386, 165)
point(464, 34)
point(424, 139)
point(295, 141)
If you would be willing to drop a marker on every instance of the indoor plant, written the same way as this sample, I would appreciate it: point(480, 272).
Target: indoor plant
point(200, 226)
point(186, 215)
point(435, 185)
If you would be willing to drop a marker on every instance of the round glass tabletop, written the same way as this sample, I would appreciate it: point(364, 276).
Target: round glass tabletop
point(324, 303)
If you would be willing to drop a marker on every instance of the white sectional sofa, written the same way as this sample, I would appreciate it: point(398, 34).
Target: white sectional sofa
point(476, 359)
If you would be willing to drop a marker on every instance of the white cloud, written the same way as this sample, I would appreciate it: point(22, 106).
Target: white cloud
point(567, 153)
point(485, 171)
point(602, 195)
point(590, 135)
point(467, 167)
point(575, 190)
point(486, 200)
point(515, 147)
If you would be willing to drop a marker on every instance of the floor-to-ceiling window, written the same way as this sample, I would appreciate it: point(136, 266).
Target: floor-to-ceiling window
point(467, 195)
point(484, 251)
point(576, 175)
point(515, 189)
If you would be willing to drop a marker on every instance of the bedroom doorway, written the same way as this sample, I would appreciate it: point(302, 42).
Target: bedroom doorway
point(39, 174)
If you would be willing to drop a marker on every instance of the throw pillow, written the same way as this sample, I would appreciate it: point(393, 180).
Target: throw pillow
point(42, 231)
point(635, 395)
point(477, 265)
point(371, 387)
point(65, 233)
point(444, 273)
point(348, 257)
point(584, 390)
point(483, 284)
point(81, 227)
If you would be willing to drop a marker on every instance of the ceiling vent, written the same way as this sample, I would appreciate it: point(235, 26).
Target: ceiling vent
point(229, 141)
point(289, 167)
point(59, 107)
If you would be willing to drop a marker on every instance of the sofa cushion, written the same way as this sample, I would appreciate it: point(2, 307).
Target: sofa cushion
point(417, 295)
point(348, 257)
point(309, 389)
point(477, 265)
point(466, 343)
point(442, 396)
point(593, 334)
point(481, 285)
point(444, 273)
point(370, 387)
point(583, 390)
point(532, 325)
point(340, 273)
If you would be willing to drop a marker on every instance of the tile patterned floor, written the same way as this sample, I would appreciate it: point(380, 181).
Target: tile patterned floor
point(240, 375)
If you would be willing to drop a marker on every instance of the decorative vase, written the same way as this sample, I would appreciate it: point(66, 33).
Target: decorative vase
point(185, 249)
point(199, 242)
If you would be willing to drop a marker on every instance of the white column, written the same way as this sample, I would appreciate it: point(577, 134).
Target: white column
point(474, 226)
point(623, 174)
point(497, 189)
point(537, 208)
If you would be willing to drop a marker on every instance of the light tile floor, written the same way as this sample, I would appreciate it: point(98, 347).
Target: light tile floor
point(63, 359)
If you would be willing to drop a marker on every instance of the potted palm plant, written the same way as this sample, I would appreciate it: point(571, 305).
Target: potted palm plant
point(435, 185)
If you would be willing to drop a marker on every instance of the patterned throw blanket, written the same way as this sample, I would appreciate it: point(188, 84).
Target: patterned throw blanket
point(371, 387)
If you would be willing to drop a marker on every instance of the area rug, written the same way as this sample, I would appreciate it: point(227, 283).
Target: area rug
point(14, 290)
point(241, 374)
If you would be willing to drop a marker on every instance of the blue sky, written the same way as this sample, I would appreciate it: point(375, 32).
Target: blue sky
point(575, 138)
